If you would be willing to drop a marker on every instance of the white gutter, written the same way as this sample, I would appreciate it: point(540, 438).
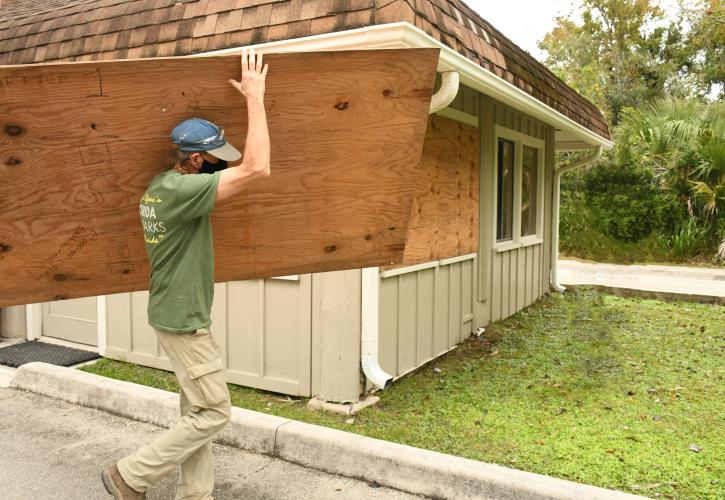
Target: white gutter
point(370, 329)
point(405, 35)
point(447, 92)
point(555, 212)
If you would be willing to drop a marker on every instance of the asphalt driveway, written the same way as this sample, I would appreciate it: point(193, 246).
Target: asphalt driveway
point(50, 449)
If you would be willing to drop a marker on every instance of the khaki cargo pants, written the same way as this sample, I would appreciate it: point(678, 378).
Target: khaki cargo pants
point(205, 409)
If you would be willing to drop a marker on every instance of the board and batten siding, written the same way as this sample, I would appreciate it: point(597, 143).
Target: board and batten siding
point(262, 327)
point(12, 322)
point(425, 312)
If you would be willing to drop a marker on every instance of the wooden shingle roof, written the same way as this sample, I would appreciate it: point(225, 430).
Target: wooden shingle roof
point(34, 31)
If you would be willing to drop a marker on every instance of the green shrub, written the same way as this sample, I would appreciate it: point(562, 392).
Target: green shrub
point(624, 200)
point(671, 214)
point(689, 241)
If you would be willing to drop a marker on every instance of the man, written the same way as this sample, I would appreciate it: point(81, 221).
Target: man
point(175, 212)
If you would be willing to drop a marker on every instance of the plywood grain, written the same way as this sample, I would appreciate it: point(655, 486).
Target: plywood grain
point(80, 142)
point(444, 215)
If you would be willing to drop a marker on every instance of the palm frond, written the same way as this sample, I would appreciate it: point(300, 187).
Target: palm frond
point(712, 196)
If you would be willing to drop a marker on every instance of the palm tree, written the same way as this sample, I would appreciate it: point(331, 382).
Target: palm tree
point(683, 141)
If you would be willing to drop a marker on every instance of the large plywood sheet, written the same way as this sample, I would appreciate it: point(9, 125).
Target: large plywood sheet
point(80, 142)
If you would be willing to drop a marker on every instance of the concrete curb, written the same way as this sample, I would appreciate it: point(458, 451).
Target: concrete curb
point(394, 465)
point(248, 430)
point(6, 375)
point(651, 294)
point(421, 471)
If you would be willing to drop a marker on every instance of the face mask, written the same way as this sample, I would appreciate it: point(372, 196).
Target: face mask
point(209, 168)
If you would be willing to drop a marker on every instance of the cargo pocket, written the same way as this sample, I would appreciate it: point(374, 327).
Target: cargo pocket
point(209, 377)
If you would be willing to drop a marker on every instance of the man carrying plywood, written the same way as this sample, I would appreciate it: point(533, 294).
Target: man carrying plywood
point(175, 212)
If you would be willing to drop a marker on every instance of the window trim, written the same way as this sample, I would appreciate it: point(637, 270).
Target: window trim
point(520, 140)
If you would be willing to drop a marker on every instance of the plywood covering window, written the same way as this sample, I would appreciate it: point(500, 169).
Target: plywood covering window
point(444, 212)
point(505, 196)
point(519, 189)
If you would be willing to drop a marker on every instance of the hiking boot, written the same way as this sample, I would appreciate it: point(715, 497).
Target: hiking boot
point(116, 486)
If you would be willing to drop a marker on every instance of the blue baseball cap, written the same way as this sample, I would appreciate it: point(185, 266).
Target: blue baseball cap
point(197, 134)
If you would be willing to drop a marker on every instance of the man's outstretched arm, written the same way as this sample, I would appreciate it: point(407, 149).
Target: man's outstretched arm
point(255, 161)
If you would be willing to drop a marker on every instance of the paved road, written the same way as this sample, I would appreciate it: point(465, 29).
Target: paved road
point(669, 279)
point(50, 449)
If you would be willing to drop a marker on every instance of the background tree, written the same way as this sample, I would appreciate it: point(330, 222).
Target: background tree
point(706, 45)
point(622, 54)
point(655, 77)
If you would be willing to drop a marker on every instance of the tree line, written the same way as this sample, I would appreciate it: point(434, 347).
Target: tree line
point(658, 76)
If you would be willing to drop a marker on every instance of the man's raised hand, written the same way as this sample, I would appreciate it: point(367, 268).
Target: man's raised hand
point(253, 76)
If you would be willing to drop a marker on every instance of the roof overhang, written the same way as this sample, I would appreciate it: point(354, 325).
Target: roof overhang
point(570, 135)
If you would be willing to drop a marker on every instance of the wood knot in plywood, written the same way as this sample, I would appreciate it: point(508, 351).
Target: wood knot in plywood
point(368, 237)
point(12, 161)
point(341, 106)
point(13, 130)
point(4, 247)
point(60, 277)
point(330, 248)
point(387, 92)
point(88, 198)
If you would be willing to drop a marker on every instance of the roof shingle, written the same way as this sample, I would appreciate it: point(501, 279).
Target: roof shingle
point(33, 31)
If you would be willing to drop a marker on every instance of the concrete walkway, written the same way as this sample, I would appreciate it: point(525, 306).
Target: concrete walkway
point(55, 450)
point(688, 282)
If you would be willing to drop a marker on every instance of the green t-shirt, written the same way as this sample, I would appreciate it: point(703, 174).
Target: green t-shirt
point(175, 212)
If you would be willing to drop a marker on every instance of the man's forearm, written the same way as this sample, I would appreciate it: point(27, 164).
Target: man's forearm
point(257, 149)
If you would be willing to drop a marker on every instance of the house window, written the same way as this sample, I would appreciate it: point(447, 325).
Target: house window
point(529, 185)
point(505, 183)
point(519, 189)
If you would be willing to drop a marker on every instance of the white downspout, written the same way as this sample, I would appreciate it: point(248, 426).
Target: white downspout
point(555, 212)
point(371, 275)
point(33, 321)
point(370, 330)
point(447, 92)
point(102, 316)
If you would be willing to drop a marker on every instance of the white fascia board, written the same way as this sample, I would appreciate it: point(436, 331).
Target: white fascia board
point(405, 35)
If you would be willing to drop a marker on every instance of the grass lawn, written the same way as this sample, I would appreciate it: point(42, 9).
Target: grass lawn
point(617, 392)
